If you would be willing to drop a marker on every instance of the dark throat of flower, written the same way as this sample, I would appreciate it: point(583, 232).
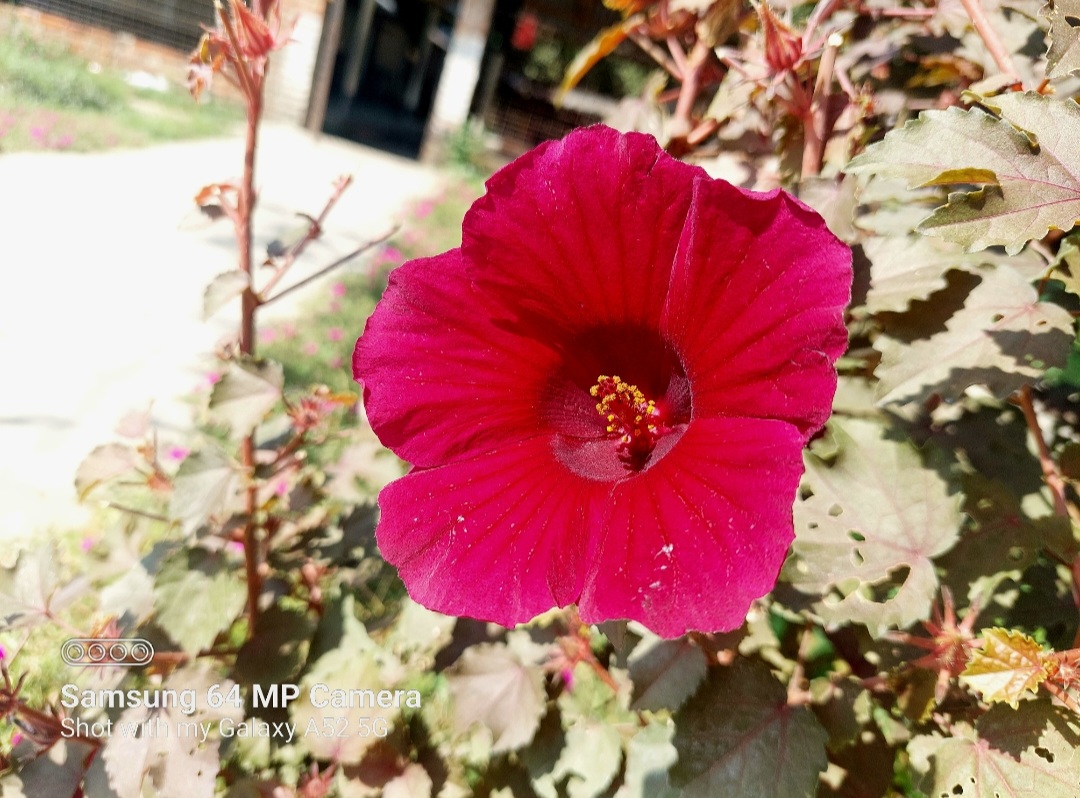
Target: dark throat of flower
point(636, 423)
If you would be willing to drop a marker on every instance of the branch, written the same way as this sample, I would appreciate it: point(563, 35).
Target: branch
point(1050, 471)
point(329, 268)
point(990, 38)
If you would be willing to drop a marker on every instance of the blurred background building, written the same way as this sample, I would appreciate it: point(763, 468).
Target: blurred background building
point(400, 75)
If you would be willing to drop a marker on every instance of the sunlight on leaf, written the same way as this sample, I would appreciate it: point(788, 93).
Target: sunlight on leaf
point(1063, 56)
point(1008, 665)
point(602, 45)
point(245, 394)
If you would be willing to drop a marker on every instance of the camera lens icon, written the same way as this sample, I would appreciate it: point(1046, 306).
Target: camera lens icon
point(111, 652)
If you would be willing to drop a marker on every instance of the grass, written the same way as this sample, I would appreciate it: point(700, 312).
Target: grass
point(316, 348)
point(53, 100)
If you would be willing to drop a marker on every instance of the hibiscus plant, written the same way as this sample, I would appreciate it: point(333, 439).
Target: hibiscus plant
point(733, 455)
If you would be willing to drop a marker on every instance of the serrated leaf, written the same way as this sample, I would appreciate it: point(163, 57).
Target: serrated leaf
point(30, 590)
point(221, 290)
point(1003, 338)
point(1028, 752)
point(649, 755)
point(904, 269)
point(354, 661)
point(1034, 188)
point(245, 394)
point(665, 672)
point(414, 782)
point(202, 487)
point(739, 738)
point(874, 510)
point(101, 465)
point(197, 595)
point(1063, 56)
point(1008, 665)
point(590, 759)
point(493, 687)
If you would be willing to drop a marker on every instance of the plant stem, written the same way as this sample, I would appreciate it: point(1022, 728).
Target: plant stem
point(328, 268)
point(1051, 474)
point(816, 121)
point(990, 38)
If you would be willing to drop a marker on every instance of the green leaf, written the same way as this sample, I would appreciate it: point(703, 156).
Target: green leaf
point(1008, 665)
point(221, 290)
point(1028, 752)
point(1002, 338)
point(874, 510)
point(665, 672)
point(493, 687)
point(202, 487)
point(198, 595)
point(56, 772)
point(649, 755)
point(414, 782)
point(1034, 187)
point(739, 738)
point(276, 651)
point(590, 759)
point(245, 394)
point(1063, 56)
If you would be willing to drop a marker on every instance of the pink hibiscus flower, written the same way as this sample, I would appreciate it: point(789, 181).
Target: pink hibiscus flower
point(605, 391)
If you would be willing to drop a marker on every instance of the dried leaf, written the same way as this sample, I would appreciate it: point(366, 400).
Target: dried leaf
point(1028, 188)
point(1008, 665)
point(1063, 56)
point(874, 510)
point(602, 45)
point(1003, 338)
point(739, 738)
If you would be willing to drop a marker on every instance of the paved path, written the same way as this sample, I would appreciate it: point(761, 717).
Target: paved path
point(103, 266)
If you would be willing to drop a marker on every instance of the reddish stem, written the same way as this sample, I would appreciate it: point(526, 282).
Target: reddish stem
point(1051, 475)
point(990, 37)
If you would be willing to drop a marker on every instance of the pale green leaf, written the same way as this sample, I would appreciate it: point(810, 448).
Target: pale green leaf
point(665, 672)
point(875, 509)
point(202, 487)
point(590, 759)
point(739, 738)
point(198, 595)
point(904, 269)
point(493, 687)
point(104, 463)
point(1063, 56)
point(1029, 752)
point(1028, 188)
point(245, 394)
point(414, 782)
point(222, 289)
point(1008, 665)
point(1003, 338)
point(31, 591)
point(649, 755)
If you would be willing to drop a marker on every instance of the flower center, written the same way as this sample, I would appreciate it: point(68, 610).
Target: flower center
point(634, 421)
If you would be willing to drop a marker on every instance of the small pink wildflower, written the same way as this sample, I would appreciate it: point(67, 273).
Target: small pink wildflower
point(64, 141)
point(423, 209)
point(268, 335)
point(3, 653)
point(86, 543)
point(288, 330)
point(338, 289)
point(335, 334)
point(16, 738)
point(213, 378)
point(392, 254)
point(235, 546)
point(336, 362)
point(311, 348)
point(281, 487)
point(177, 453)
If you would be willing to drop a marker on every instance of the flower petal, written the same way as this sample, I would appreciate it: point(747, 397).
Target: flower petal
point(441, 381)
point(582, 232)
point(690, 542)
point(501, 537)
point(756, 306)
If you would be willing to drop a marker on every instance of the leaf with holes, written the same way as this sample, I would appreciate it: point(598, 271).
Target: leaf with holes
point(493, 687)
point(1029, 752)
point(245, 394)
point(740, 738)
point(875, 510)
point(1063, 56)
point(1003, 338)
point(665, 672)
point(1027, 188)
point(1008, 665)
